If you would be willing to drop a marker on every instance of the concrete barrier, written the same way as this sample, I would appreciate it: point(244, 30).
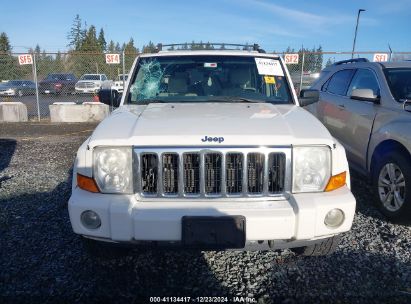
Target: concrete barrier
point(69, 112)
point(11, 111)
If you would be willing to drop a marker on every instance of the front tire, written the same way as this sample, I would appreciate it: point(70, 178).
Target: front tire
point(325, 247)
point(392, 186)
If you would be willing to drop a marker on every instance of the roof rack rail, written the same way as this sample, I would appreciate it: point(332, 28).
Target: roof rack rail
point(351, 61)
point(210, 46)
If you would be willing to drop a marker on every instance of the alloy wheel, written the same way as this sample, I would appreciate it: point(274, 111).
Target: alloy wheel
point(391, 187)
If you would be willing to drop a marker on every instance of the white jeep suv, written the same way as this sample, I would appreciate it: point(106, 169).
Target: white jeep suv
point(210, 149)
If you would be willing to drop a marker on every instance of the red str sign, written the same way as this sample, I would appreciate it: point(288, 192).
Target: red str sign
point(113, 58)
point(380, 57)
point(291, 58)
point(25, 59)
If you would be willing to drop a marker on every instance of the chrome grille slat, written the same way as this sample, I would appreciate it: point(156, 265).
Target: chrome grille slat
point(234, 163)
point(213, 173)
point(149, 173)
point(170, 173)
point(255, 173)
point(276, 172)
point(191, 173)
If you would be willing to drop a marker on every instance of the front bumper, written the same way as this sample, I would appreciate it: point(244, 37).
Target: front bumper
point(87, 90)
point(8, 93)
point(293, 222)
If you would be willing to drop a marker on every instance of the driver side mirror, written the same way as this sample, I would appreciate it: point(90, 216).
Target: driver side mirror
point(364, 95)
point(308, 97)
point(109, 97)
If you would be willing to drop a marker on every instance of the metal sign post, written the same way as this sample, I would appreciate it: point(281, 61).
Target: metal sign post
point(124, 72)
point(36, 83)
point(302, 72)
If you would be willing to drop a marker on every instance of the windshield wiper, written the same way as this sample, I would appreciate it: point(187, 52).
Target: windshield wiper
point(235, 99)
point(147, 101)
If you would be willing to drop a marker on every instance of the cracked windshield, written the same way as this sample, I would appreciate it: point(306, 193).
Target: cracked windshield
point(209, 79)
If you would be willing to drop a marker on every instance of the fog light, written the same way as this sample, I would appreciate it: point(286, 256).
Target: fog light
point(90, 219)
point(334, 218)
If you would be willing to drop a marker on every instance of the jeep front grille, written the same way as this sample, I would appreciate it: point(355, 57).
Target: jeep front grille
point(180, 172)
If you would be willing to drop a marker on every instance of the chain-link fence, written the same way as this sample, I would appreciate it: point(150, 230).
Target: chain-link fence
point(39, 80)
point(42, 79)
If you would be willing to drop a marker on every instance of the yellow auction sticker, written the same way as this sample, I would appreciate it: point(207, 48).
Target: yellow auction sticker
point(269, 79)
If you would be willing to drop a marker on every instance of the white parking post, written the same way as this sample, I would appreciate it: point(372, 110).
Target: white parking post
point(37, 86)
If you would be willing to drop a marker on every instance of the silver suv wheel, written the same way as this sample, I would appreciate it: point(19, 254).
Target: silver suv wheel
point(391, 187)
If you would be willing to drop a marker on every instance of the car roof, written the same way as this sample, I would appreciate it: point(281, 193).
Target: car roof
point(391, 64)
point(396, 64)
point(210, 53)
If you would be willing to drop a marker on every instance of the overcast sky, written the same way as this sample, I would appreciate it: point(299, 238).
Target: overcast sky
point(273, 24)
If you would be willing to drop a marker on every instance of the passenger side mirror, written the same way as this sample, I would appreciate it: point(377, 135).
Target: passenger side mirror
point(364, 95)
point(109, 97)
point(407, 105)
point(308, 97)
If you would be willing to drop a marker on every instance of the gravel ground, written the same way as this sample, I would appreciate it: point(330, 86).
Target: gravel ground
point(41, 260)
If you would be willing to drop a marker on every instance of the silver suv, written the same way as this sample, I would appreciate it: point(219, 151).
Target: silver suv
point(366, 106)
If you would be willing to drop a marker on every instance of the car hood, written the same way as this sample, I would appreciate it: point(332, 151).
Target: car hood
point(228, 124)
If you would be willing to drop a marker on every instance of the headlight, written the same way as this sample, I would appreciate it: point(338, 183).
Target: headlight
point(311, 168)
point(112, 169)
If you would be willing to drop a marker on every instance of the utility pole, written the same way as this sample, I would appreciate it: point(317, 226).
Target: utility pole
point(356, 30)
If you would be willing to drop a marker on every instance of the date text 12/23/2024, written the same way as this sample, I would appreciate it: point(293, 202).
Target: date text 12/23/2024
point(235, 299)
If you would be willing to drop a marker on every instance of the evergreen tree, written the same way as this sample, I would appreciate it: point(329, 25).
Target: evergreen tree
point(111, 48)
point(5, 47)
point(117, 49)
point(58, 62)
point(149, 48)
point(90, 43)
point(329, 62)
point(102, 41)
point(130, 53)
point(76, 34)
point(209, 46)
point(319, 59)
point(9, 65)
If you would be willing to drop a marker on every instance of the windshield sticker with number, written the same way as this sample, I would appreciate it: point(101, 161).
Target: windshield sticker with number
point(268, 66)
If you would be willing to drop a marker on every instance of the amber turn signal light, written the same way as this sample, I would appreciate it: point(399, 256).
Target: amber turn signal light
point(336, 181)
point(87, 183)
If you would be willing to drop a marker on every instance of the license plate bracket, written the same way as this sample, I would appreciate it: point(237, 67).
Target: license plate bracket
point(214, 232)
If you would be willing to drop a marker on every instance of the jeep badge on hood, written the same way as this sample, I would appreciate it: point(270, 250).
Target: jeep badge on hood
point(212, 139)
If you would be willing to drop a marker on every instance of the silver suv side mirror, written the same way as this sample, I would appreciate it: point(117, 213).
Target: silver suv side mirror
point(364, 95)
point(407, 105)
point(308, 97)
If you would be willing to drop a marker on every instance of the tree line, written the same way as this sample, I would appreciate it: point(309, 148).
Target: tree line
point(86, 54)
